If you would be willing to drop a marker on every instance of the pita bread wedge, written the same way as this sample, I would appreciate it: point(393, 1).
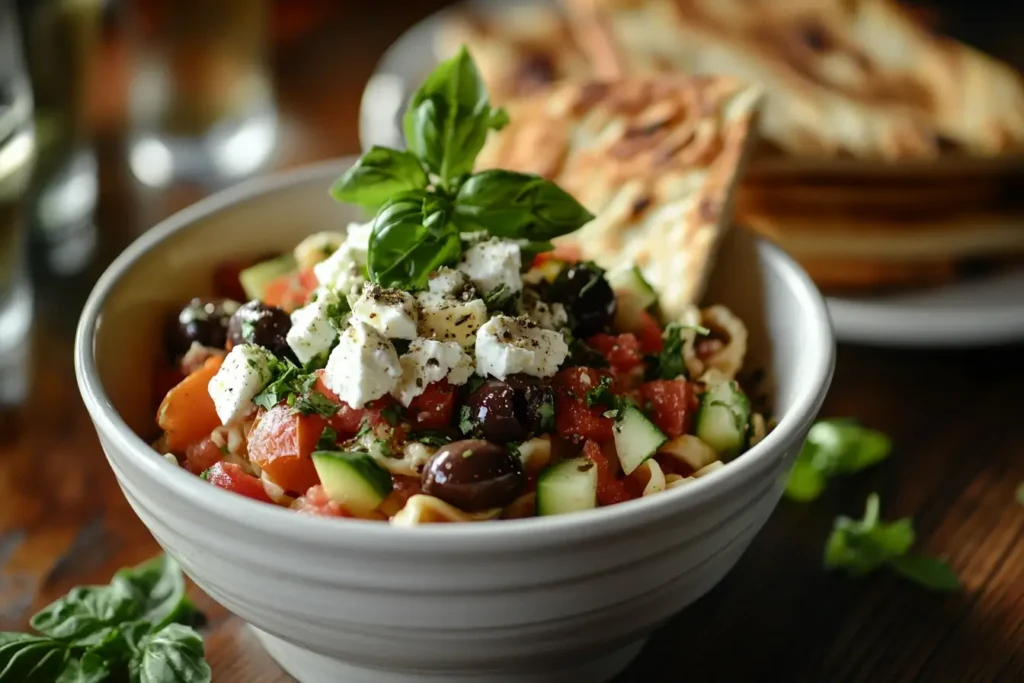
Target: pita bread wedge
point(655, 160)
point(845, 79)
point(519, 48)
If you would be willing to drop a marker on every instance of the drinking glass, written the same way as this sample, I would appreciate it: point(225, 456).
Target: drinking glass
point(200, 99)
point(17, 151)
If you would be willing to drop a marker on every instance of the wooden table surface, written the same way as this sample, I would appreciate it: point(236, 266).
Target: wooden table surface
point(955, 417)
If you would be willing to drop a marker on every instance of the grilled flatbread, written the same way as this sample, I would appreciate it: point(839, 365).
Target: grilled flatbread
point(519, 48)
point(845, 79)
point(656, 160)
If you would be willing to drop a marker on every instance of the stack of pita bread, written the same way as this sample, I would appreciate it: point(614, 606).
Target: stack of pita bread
point(888, 155)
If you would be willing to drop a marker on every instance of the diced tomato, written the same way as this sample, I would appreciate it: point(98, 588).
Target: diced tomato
point(201, 456)
point(281, 443)
point(649, 334)
point(610, 490)
point(622, 351)
point(316, 503)
point(433, 408)
point(348, 420)
point(290, 291)
point(672, 404)
point(574, 419)
point(563, 252)
point(231, 477)
point(187, 414)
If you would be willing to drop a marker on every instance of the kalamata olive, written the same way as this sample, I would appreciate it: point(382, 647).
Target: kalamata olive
point(201, 320)
point(582, 288)
point(474, 475)
point(492, 409)
point(257, 323)
point(534, 402)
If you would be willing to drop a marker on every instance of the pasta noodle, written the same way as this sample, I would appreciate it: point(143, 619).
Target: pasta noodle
point(729, 359)
point(424, 509)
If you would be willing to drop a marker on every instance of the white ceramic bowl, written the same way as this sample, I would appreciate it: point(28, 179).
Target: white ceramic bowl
point(569, 598)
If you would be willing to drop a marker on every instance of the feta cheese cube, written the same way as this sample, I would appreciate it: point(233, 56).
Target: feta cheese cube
point(312, 331)
point(359, 238)
point(316, 248)
point(428, 361)
point(506, 346)
point(448, 319)
point(363, 366)
point(391, 312)
point(449, 282)
point(493, 264)
point(550, 316)
point(342, 271)
point(244, 373)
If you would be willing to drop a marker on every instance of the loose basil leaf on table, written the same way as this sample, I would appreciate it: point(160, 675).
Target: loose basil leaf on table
point(834, 447)
point(406, 245)
point(85, 613)
point(378, 175)
point(26, 658)
point(172, 654)
point(449, 118)
point(517, 206)
point(91, 668)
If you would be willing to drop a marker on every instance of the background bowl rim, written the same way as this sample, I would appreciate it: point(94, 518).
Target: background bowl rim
point(272, 520)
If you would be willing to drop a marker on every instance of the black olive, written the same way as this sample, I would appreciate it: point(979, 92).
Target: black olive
point(201, 320)
point(534, 402)
point(474, 475)
point(582, 288)
point(266, 326)
point(492, 409)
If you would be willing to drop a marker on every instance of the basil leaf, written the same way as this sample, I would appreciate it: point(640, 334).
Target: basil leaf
point(158, 588)
point(930, 572)
point(805, 483)
point(834, 447)
point(86, 613)
point(406, 244)
point(671, 363)
point(517, 206)
point(91, 668)
point(378, 175)
point(531, 249)
point(602, 393)
point(174, 654)
point(449, 118)
point(26, 658)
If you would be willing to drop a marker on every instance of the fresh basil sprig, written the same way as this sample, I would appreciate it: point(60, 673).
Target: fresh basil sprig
point(426, 196)
point(132, 629)
point(834, 447)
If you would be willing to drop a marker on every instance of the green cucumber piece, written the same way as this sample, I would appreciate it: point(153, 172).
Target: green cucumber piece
point(354, 480)
point(567, 486)
point(723, 418)
point(255, 278)
point(633, 295)
point(636, 437)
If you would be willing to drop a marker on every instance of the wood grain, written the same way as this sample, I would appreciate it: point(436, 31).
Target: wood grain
point(955, 418)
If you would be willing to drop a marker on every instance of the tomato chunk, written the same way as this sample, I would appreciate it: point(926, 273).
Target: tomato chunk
point(290, 291)
point(281, 443)
point(231, 477)
point(610, 490)
point(563, 252)
point(202, 455)
point(574, 419)
point(316, 503)
point(672, 404)
point(433, 408)
point(649, 334)
point(348, 420)
point(622, 351)
point(187, 413)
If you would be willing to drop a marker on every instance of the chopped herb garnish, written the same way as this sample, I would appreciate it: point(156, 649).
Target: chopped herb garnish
point(860, 546)
point(601, 394)
point(391, 414)
point(205, 476)
point(546, 412)
point(248, 329)
point(466, 423)
point(670, 362)
point(514, 450)
point(474, 383)
point(328, 439)
point(834, 447)
point(499, 299)
point(430, 438)
point(468, 453)
point(294, 388)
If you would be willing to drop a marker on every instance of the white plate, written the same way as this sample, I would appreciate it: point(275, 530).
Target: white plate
point(988, 310)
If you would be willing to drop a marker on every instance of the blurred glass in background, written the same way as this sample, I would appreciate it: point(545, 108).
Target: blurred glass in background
point(201, 105)
point(17, 148)
point(61, 40)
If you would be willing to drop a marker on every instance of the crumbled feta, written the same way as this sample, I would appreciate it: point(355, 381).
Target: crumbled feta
point(391, 312)
point(316, 248)
point(494, 264)
point(506, 346)
point(363, 366)
point(428, 361)
point(244, 373)
point(550, 316)
point(447, 319)
point(359, 237)
point(312, 331)
point(342, 271)
point(449, 282)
